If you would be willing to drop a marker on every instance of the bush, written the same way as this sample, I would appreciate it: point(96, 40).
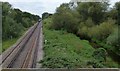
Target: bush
point(105, 29)
point(26, 22)
point(94, 32)
point(113, 38)
point(45, 15)
point(101, 31)
point(114, 41)
point(82, 32)
point(10, 28)
point(99, 58)
point(100, 54)
point(89, 22)
point(65, 21)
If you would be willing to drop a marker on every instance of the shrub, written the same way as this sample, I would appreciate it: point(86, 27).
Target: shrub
point(105, 29)
point(113, 38)
point(94, 32)
point(65, 21)
point(99, 57)
point(114, 41)
point(89, 22)
point(101, 31)
point(100, 54)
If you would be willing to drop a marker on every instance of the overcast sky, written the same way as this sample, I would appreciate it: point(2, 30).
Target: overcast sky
point(40, 6)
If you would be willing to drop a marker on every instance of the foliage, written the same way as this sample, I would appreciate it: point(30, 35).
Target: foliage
point(113, 40)
point(103, 30)
point(99, 58)
point(7, 43)
point(0, 22)
point(84, 21)
point(47, 22)
point(89, 21)
point(100, 54)
point(95, 10)
point(64, 19)
point(15, 21)
point(69, 51)
point(117, 6)
point(100, 32)
point(46, 15)
point(9, 28)
point(66, 50)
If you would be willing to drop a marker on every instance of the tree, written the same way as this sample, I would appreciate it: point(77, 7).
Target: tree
point(46, 15)
point(99, 58)
point(10, 28)
point(18, 16)
point(64, 19)
point(14, 21)
point(117, 6)
point(95, 10)
point(6, 8)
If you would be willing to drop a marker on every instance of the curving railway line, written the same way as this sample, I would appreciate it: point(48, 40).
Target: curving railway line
point(24, 53)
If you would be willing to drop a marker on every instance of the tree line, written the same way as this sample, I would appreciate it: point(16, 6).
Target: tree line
point(14, 21)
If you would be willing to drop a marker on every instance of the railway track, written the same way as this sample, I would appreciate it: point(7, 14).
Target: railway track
point(24, 53)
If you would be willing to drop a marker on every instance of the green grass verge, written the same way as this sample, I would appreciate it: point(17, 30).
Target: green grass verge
point(7, 43)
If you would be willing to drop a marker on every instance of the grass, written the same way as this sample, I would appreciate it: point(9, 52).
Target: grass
point(65, 50)
point(7, 43)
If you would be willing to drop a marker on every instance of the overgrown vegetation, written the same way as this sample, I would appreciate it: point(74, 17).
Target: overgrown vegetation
point(14, 23)
point(94, 22)
point(0, 28)
point(66, 50)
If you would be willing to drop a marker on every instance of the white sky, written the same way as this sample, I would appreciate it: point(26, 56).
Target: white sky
point(40, 6)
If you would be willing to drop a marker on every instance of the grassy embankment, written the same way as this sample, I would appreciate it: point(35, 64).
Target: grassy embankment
point(7, 43)
point(66, 50)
